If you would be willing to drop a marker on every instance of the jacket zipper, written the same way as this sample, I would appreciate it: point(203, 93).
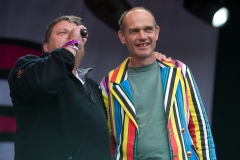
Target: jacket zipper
point(85, 86)
point(91, 97)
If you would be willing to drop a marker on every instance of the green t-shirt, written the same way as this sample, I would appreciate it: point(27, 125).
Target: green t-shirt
point(146, 86)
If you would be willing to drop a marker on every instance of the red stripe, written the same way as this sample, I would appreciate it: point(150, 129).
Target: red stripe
point(173, 141)
point(131, 139)
point(115, 73)
point(113, 146)
point(7, 124)
point(11, 53)
point(191, 129)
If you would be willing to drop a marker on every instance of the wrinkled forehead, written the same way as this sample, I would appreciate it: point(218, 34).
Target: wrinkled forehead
point(64, 24)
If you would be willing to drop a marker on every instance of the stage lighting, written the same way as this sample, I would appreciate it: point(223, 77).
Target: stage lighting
point(220, 17)
point(209, 11)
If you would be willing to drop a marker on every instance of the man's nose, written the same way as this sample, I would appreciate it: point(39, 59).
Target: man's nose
point(142, 34)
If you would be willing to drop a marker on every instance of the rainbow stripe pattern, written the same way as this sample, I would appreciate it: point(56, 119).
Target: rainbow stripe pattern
point(189, 132)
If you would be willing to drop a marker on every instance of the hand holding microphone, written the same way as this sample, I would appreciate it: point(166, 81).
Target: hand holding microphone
point(83, 38)
point(76, 41)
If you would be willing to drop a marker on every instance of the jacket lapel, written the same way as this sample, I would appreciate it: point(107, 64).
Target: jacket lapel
point(122, 91)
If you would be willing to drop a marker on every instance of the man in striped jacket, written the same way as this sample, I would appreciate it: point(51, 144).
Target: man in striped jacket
point(154, 107)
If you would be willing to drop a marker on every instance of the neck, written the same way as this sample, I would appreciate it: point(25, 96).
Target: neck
point(141, 62)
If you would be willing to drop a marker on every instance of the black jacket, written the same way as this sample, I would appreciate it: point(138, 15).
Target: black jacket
point(58, 118)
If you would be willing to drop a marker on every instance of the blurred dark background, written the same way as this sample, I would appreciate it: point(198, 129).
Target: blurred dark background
point(226, 104)
point(212, 53)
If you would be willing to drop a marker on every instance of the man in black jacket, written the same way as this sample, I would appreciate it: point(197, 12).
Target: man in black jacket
point(59, 112)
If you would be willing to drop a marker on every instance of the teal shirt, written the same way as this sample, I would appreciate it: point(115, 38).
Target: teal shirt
point(146, 86)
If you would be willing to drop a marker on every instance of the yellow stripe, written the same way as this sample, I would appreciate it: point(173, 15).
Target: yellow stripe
point(195, 121)
point(175, 87)
point(113, 108)
point(176, 136)
point(125, 137)
point(105, 99)
point(121, 71)
point(169, 62)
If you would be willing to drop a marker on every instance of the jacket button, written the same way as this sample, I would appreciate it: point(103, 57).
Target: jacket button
point(189, 154)
point(174, 156)
point(169, 131)
point(70, 158)
point(183, 130)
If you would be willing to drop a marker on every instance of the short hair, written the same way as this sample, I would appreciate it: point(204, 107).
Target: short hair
point(70, 18)
point(120, 22)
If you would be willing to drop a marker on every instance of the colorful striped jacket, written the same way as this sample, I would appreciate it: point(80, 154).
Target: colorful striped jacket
point(189, 131)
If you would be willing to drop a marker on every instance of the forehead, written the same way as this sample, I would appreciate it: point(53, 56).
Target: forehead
point(64, 24)
point(138, 18)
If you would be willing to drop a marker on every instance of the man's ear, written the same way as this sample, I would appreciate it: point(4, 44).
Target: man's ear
point(157, 32)
point(45, 47)
point(121, 37)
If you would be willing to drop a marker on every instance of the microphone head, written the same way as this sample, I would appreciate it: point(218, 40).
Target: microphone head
point(83, 32)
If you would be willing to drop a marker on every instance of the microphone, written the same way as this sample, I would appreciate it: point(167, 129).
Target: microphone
point(83, 32)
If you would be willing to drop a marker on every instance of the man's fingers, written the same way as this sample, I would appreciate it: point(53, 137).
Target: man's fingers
point(159, 56)
point(164, 57)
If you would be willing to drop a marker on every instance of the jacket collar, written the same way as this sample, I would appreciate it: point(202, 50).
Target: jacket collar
point(170, 77)
point(120, 73)
point(82, 73)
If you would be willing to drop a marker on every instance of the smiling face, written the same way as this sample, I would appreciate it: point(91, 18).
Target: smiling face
point(140, 36)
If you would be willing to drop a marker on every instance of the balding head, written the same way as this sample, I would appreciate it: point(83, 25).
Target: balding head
point(120, 22)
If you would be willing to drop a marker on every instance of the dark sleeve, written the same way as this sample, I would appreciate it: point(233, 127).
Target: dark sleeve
point(38, 79)
point(103, 104)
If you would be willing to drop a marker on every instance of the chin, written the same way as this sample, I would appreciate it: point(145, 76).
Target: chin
point(144, 54)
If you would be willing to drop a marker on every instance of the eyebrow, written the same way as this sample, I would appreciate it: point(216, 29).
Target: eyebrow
point(133, 29)
point(63, 29)
point(137, 28)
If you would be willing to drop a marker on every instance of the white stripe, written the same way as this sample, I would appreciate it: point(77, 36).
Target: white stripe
point(122, 114)
point(179, 124)
point(103, 89)
point(118, 148)
point(126, 98)
point(167, 89)
point(184, 69)
point(120, 138)
point(6, 150)
point(126, 76)
point(201, 114)
point(5, 98)
point(160, 64)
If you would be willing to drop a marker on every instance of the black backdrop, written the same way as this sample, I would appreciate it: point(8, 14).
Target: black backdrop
point(226, 104)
